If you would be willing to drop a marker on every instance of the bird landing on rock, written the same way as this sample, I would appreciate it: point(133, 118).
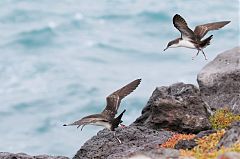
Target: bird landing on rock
point(193, 39)
point(107, 117)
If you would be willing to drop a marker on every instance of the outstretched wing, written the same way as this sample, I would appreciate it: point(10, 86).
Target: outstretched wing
point(114, 99)
point(88, 119)
point(181, 25)
point(201, 30)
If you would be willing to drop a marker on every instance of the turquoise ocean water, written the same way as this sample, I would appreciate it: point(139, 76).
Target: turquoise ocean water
point(60, 59)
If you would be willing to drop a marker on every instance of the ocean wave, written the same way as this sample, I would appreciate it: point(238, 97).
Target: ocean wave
point(116, 17)
point(147, 16)
point(112, 48)
point(21, 16)
point(154, 17)
point(34, 38)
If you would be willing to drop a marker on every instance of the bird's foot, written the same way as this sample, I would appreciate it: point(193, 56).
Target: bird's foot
point(81, 127)
point(122, 126)
point(204, 55)
point(195, 55)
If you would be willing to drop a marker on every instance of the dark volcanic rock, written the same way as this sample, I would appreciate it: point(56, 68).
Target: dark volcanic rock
point(7, 155)
point(219, 81)
point(205, 133)
point(231, 136)
point(178, 107)
point(134, 139)
point(185, 144)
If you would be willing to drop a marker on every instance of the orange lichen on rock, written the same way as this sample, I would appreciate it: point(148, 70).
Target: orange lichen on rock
point(171, 142)
point(207, 147)
point(223, 118)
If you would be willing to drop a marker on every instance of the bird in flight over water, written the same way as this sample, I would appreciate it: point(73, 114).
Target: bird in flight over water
point(107, 117)
point(193, 39)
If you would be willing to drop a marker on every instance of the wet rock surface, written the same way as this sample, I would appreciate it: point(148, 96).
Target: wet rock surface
point(219, 81)
point(178, 107)
point(7, 155)
point(134, 139)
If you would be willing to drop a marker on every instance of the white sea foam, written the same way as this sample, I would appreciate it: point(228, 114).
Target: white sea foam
point(78, 16)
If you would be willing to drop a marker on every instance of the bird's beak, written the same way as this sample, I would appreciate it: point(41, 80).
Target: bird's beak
point(165, 49)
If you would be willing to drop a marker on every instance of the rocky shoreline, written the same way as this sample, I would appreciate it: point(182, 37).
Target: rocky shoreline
point(177, 109)
point(7, 155)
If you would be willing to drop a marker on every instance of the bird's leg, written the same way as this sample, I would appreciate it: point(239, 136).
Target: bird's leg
point(195, 55)
point(204, 54)
point(81, 128)
point(114, 134)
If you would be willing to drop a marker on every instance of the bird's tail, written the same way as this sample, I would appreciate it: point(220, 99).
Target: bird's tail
point(206, 41)
point(117, 120)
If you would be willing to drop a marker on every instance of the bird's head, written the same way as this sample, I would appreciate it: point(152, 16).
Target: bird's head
point(172, 44)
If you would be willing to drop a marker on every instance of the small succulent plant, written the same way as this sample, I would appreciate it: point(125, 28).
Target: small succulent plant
point(223, 118)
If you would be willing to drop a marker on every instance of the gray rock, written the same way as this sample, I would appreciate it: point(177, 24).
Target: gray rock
point(7, 155)
point(134, 139)
point(205, 133)
point(231, 136)
point(185, 144)
point(229, 155)
point(160, 153)
point(178, 107)
point(219, 81)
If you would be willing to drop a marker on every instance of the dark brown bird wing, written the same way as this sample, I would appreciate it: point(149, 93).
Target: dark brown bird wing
point(181, 25)
point(114, 99)
point(201, 30)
